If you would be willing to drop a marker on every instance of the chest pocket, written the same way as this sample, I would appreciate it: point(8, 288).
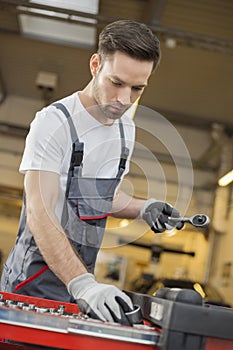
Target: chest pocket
point(94, 196)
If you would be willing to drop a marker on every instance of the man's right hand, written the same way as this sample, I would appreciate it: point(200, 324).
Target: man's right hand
point(100, 301)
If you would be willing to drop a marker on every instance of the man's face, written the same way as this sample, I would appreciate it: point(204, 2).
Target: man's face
point(118, 81)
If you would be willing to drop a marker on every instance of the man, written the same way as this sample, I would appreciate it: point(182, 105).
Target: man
point(76, 154)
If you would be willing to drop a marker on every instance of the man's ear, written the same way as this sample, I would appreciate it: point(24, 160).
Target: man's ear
point(95, 62)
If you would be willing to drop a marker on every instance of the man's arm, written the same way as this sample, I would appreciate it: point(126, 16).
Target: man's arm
point(125, 206)
point(157, 214)
point(102, 301)
point(41, 196)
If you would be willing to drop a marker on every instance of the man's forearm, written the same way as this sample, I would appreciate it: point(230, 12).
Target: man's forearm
point(125, 206)
point(55, 246)
point(41, 189)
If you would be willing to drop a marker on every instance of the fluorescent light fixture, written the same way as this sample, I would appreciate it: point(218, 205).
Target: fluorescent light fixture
point(51, 30)
point(87, 6)
point(31, 10)
point(42, 12)
point(65, 33)
point(226, 179)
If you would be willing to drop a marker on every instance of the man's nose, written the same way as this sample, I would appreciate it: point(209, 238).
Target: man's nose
point(124, 95)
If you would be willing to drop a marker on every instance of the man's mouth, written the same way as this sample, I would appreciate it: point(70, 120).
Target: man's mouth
point(117, 108)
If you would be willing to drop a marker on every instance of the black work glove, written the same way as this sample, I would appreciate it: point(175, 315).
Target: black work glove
point(100, 301)
point(157, 214)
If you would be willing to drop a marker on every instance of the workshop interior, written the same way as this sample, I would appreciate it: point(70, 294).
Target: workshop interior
point(183, 155)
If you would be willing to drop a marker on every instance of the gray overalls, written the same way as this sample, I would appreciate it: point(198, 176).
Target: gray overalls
point(87, 205)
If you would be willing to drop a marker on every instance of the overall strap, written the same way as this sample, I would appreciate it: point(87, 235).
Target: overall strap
point(74, 135)
point(124, 149)
point(77, 147)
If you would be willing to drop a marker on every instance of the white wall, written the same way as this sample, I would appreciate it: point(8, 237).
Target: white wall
point(19, 110)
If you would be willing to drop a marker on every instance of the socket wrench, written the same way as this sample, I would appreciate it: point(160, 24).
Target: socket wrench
point(198, 220)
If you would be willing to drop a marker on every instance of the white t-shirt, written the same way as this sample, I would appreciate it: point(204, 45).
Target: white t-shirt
point(49, 145)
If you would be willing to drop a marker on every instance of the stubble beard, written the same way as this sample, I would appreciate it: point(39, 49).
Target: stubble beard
point(107, 109)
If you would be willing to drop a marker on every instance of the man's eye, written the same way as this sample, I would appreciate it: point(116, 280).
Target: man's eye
point(137, 88)
point(115, 83)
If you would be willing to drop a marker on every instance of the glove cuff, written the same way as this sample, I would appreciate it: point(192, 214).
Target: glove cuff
point(77, 284)
point(145, 205)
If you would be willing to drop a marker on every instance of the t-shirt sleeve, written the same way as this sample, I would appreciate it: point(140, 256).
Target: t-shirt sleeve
point(45, 142)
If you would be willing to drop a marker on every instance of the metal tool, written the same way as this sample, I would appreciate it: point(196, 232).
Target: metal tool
point(198, 220)
point(52, 324)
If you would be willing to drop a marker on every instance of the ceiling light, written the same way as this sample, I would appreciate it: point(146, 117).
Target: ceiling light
point(42, 12)
point(51, 30)
point(170, 43)
point(87, 6)
point(124, 222)
point(198, 288)
point(226, 179)
point(42, 23)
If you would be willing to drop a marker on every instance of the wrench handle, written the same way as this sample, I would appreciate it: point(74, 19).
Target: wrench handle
point(198, 220)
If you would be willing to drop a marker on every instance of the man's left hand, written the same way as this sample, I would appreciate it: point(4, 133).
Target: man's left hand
point(157, 213)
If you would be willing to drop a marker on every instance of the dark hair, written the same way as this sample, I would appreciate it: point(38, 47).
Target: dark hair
point(132, 38)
